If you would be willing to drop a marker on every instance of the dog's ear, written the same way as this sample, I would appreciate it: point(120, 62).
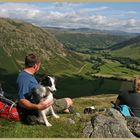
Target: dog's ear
point(44, 78)
point(40, 77)
point(54, 78)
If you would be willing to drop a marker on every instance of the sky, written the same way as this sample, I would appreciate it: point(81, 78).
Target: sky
point(123, 16)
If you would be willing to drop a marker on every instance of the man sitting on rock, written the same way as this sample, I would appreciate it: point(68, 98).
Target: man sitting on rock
point(131, 99)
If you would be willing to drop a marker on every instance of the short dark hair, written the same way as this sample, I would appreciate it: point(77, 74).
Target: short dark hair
point(31, 59)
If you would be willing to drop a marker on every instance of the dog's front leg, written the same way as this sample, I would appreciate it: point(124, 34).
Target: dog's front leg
point(53, 113)
point(45, 119)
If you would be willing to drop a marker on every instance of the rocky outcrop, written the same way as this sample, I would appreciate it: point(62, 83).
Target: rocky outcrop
point(133, 124)
point(109, 123)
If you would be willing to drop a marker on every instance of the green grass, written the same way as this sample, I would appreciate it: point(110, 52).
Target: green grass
point(82, 87)
point(76, 86)
point(61, 127)
point(129, 51)
point(114, 68)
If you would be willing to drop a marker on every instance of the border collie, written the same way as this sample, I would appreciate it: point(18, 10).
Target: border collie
point(43, 91)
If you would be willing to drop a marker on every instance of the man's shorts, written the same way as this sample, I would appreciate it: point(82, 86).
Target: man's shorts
point(60, 105)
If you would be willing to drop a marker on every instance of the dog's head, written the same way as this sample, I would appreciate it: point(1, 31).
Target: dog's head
point(48, 82)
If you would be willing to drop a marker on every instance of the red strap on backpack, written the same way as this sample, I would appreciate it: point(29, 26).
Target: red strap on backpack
point(9, 112)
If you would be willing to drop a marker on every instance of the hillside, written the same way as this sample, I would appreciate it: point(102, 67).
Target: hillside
point(94, 81)
point(129, 48)
point(87, 40)
point(18, 38)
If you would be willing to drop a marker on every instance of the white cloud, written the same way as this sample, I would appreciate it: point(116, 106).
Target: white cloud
point(131, 12)
point(18, 10)
point(51, 16)
point(131, 23)
point(93, 9)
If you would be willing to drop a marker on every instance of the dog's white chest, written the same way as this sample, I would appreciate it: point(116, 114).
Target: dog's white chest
point(50, 96)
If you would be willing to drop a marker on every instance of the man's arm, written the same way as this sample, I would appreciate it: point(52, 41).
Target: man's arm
point(117, 102)
point(120, 98)
point(40, 106)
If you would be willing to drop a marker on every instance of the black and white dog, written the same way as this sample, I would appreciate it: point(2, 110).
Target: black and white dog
point(44, 91)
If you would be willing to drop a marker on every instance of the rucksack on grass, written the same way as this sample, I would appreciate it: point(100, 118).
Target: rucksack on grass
point(123, 109)
point(8, 108)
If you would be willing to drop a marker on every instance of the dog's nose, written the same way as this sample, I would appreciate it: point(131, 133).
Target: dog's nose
point(54, 90)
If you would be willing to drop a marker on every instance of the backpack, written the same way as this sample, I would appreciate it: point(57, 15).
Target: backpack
point(8, 108)
point(123, 109)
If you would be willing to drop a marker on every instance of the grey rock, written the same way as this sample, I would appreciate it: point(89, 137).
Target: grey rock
point(88, 130)
point(107, 127)
point(70, 121)
point(116, 115)
point(108, 123)
point(77, 114)
point(133, 124)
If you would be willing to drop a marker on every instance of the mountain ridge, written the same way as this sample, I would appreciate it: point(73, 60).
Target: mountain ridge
point(90, 30)
point(75, 39)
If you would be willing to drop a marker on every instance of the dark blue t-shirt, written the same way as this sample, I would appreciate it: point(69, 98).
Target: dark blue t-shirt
point(26, 82)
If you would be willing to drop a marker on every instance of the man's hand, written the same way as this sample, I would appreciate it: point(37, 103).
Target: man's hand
point(40, 106)
point(44, 104)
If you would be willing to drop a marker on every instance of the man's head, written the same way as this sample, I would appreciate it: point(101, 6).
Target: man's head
point(137, 84)
point(31, 60)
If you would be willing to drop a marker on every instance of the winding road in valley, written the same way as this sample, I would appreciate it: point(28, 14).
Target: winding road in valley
point(81, 68)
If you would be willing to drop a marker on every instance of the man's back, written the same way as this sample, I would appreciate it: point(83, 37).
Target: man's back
point(132, 100)
point(26, 82)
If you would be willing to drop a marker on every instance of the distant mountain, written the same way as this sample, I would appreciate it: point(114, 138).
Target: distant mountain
point(129, 48)
point(89, 30)
point(86, 30)
point(19, 38)
point(88, 40)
